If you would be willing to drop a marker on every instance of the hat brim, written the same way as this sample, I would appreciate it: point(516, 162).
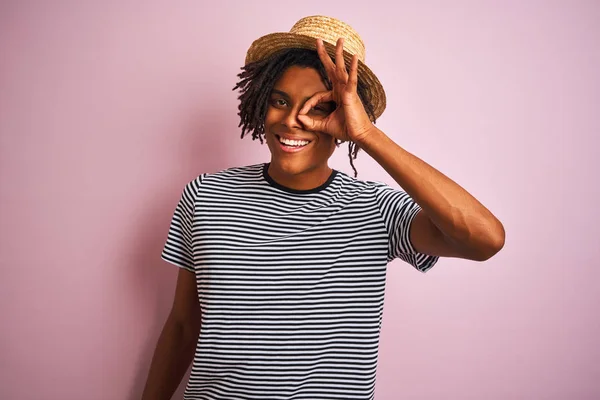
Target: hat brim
point(268, 45)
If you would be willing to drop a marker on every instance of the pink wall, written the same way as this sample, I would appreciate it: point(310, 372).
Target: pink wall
point(106, 110)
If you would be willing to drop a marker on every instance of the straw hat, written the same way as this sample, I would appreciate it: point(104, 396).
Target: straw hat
point(304, 34)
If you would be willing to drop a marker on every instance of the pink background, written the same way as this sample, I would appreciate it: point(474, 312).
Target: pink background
point(108, 108)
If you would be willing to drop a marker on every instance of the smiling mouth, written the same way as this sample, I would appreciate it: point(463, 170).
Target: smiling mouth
point(292, 144)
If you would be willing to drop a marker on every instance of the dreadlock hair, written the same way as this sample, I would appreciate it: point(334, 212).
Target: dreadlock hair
point(257, 80)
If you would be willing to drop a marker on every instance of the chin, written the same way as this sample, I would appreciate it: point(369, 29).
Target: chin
point(293, 167)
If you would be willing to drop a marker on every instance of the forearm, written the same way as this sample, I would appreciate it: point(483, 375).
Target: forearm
point(172, 357)
point(455, 212)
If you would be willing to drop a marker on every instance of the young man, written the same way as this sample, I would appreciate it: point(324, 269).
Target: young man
point(281, 287)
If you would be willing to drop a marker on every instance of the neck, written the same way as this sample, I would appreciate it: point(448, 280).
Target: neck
point(305, 180)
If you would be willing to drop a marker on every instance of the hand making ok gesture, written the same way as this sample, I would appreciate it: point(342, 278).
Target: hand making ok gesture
point(349, 121)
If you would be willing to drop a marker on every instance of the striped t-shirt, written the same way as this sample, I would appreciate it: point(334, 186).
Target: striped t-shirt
point(290, 282)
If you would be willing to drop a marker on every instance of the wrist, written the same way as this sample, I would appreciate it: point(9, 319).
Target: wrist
point(369, 138)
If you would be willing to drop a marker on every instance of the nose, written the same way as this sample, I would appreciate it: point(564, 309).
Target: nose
point(291, 120)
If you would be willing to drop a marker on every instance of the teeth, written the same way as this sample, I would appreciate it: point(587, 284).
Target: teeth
point(294, 142)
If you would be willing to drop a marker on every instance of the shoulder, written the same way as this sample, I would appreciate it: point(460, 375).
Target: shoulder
point(235, 172)
point(232, 175)
point(219, 180)
point(350, 182)
point(381, 193)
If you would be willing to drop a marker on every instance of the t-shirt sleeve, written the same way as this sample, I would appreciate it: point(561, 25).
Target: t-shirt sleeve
point(398, 210)
point(178, 249)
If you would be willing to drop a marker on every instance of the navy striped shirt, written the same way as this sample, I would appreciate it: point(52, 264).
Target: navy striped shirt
point(290, 282)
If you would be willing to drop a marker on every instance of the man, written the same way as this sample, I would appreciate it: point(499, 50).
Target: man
point(280, 291)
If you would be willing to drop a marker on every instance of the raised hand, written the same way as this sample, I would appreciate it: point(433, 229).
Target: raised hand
point(349, 121)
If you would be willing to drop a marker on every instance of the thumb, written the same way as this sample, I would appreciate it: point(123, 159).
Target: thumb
point(311, 124)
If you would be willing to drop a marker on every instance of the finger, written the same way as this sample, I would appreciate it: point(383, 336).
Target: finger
point(353, 78)
point(325, 58)
point(311, 124)
point(339, 59)
point(320, 97)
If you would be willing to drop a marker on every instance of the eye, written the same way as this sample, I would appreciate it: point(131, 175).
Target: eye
point(324, 109)
point(278, 102)
point(321, 110)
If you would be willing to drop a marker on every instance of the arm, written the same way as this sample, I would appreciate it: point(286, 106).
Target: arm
point(177, 342)
point(452, 223)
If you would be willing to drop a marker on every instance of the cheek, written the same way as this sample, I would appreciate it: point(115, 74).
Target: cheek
point(332, 148)
point(268, 125)
point(326, 144)
point(270, 140)
point(272, 121)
